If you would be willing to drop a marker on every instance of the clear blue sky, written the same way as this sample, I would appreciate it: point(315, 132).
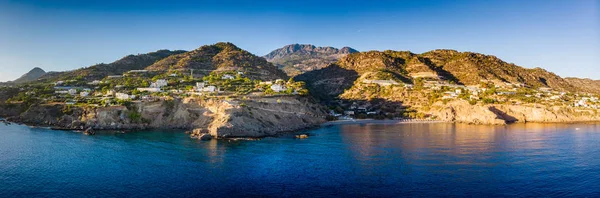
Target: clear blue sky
point(560, 36)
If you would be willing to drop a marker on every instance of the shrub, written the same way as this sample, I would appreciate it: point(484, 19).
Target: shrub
point(135, 116)
point(488, 101)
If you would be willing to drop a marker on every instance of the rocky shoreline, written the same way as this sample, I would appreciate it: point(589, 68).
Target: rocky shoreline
point(219, 118)
point(265, 117)
point(501, 114)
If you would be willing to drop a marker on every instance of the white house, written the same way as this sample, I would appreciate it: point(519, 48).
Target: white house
point(84, 94)
point(278, 88)
point(266, 83)
point(176, 91)
point(581, 103)
point(72, 91)
point(449, 95)
point(123, 96)
point(208, 89)
point(59, 82)
point(555, 97)
point(110, 93)
point(227, 76)
point(159, 83)
point(95, 82)
point(201, 87)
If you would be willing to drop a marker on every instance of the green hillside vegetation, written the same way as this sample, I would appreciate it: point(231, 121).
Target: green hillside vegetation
point(220, 57)
point(100, 71)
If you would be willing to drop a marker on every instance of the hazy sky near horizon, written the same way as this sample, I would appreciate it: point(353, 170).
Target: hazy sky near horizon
point(562, 36)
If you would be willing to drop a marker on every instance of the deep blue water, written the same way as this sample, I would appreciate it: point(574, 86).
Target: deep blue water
point(343, 161)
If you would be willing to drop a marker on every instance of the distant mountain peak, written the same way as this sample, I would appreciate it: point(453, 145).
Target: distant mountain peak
point(307, 49)
point(32, 75)
point(296, 58)
point(37, 69)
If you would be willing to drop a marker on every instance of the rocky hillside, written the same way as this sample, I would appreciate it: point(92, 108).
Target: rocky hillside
point(464, 68)
point(471, 68)
point(220, 57)
point(296, 59)
point(585, 84)
point(99, 71)
point(32, 75)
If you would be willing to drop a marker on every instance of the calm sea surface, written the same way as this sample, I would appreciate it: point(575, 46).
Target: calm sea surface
point(553, 160)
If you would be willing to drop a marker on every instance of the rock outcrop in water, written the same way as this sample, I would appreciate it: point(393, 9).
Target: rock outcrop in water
point(220, 118)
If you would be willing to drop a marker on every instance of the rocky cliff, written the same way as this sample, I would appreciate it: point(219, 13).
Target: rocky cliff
point(463, 112)
point(221, 118)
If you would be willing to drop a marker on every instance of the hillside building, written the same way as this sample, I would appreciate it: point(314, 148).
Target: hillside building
point(278, 88)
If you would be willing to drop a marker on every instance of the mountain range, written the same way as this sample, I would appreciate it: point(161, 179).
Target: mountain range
point(296, 59)
point(330, 69)
point(462, 68)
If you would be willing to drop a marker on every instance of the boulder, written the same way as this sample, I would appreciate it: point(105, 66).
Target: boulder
point(89, 131)
point(204, 136)
point(199, 131)
point(302, 136)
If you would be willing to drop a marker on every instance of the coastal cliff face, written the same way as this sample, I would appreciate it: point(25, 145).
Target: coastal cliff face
point(221, 118)
point(463, 112)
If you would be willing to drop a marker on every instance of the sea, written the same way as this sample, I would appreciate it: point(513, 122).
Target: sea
point(351, 160)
